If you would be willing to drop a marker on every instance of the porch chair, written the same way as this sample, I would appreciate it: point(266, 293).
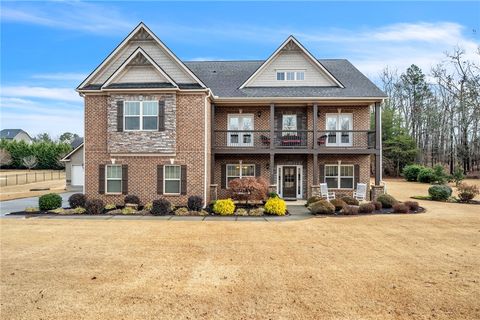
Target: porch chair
point(324, 193)
point(361, 193)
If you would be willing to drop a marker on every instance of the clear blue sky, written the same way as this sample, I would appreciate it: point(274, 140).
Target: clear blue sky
point(48, 48)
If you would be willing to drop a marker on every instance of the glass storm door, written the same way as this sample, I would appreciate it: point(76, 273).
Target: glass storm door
point(289, 182)
point(341, 126)
point(238, 127)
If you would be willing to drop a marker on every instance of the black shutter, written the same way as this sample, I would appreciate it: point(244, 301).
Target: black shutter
point(258, 170)
point(356, 175)
point(160, 179)
point(119, 116)
point(183, 180)
point(322, 173)
point(223, 176)
point(125, 179)
point(161, 115)
point(101, 179)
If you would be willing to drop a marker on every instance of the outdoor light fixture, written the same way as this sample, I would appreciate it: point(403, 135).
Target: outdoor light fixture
point(112, 160)
point(318, 114)
point(172, 160)
point(259, 113)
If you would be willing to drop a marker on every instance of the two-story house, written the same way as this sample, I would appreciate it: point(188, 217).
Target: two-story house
point(156, 126)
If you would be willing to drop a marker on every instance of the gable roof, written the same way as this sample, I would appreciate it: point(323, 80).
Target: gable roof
point(224, 78)
point(277, 52)
point(11, 133)
point(75, 150)
point(76, 142)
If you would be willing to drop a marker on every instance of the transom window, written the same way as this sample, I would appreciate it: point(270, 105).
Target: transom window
point(141, 115)
point(339, 176)
point(235, 171)
point(113, 178)
point(290, 75)
point(172, 177)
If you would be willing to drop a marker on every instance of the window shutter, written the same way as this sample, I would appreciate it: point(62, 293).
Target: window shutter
point(119, 116)
point(183, 178)
point(160, 179)
point(356, 175)
point(258, 169)
point(125, 179)
point(322, 173)
point(223, 182)
point(161, 115)
point(101, 179)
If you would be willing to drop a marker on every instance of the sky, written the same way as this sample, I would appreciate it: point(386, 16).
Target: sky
point(48, 48)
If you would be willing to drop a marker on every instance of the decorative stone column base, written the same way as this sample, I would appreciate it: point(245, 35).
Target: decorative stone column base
point(213, 192)
point(315, 190)
point(376, 191)
point(272, 188)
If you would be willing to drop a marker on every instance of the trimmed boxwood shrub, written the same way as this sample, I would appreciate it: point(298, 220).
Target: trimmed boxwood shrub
point(94, 206)
point(386, 200)
point(366, 207)
point(195, 203)
point(49, 201)
point(161, 207)
point(77, 200)
point(440, 193)
point(410, 172)
point(132, 199)
point(338, 204)
point(322, 207)
point(350, 201)
point(426, 175)
point(400, 208)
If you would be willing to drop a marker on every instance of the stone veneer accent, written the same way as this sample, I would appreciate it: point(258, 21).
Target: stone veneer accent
point(142, 141)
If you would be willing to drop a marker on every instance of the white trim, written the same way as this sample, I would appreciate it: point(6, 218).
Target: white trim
point(339, 176)
point(153, 154)
point(140, 116)
point(304, 50)
point(299, 178)
point(295, 74)
point(338, 135)
point(64, 159)
point(295, 99)
point(124, 42)
point(240, 135)
point(206, 148)
point(179, 180)
point(116, 179)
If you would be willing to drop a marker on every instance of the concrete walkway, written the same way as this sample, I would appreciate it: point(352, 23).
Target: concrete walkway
point(20, 204)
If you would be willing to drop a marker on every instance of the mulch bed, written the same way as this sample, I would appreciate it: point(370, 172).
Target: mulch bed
point(477, 202)
point(377, 212)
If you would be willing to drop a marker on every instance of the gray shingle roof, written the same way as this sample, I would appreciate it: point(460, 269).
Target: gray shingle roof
point(76, 142)
point(225, 78)
point(10, 133)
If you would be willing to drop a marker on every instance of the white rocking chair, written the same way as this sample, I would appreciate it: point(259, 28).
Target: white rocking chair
point(361, 193)
point(324, 193)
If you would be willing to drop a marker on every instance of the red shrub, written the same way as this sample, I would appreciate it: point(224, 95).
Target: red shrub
point(248, 189)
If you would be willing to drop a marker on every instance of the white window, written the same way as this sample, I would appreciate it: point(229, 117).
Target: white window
point(290, 75)
point(339, 176)
point(341, 125)
point(141, 115)
point(289, 124)
point(239, 126)
point(113, 179)
point(172, 179)
point(235, 171)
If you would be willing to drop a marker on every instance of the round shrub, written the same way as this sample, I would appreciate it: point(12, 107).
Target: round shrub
point(94, 206)
point(161, 207)
point(195, 203)
point(132, 199)
point(77, 200)
point(400, 208)
point(386, 200)
point(312, 200)
point(224, 207)
point(350, 201)
point(350, 210)
point(49, 201)
point(322, 207)
point(338, 204)
point(366, 207)
point(467, 192)
point(182, 212)
point(276, 206)
point(440, 192)
point(378, 205)
point(410, 172)
point(426, 175)
point(412, 205)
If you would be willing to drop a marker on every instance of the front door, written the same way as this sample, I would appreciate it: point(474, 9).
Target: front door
point(289, 182)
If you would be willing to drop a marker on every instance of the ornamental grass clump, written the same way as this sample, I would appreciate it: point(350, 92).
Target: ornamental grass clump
point(49, 201)
point(400, 208)
point(322, 207)
point(224, 207)
point(276, 206)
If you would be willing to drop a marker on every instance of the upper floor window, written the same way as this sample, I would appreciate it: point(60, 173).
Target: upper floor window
point(290, 75)
point(141, 115)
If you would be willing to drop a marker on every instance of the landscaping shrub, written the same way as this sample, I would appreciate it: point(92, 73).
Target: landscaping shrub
point(77, 200)
point(412, 205)
point(410, 172)
point(241, 212)
point(467, 192)
point(182, 212)
point(366, 207)
point(129, 210)
point(94, 206)
point(386, 200)
point(400, 208)
point(224, 207)
point(273, 195)
point(248, 189)
point(50, 201)
point(426, 175)
point(378, 205)
point(110, 206)
point(79, 210)
point(256, 212)
point(458, 176)
point(195, 203)
point(148, 206)
point(350, 210)
point(338, 204)
point(440, 176)
point(322, 207)
point(312, 200)
point(440, 192)
point(31, 209)
point(161, 207)
point(350, 201)
point(132, 199)
point(276, 206)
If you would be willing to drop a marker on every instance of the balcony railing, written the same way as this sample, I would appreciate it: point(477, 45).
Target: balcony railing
point(293, 139)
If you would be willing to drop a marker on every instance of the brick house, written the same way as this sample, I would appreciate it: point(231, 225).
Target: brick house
point(156, 126)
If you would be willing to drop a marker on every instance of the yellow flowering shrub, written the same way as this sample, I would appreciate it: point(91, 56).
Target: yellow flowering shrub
point(224, 207)
point(276, 206)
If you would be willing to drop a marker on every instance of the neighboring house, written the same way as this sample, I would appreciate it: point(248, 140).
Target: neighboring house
point(15, 135)
point(156, 126)
point(74, 165)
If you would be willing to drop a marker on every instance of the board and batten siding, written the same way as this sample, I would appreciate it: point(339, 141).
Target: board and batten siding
point(138, 74)
point(291, 60)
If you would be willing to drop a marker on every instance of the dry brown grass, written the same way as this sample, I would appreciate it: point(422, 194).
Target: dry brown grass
point(23, 190)
point(367, 267)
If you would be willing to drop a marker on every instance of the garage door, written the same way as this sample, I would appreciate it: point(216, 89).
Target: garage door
point(77, 175)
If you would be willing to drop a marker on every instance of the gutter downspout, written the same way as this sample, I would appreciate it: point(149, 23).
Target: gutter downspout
point(205, 162)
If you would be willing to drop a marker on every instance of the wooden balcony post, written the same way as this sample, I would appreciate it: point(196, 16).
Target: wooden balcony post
point(212, 125)
point(378, 144)
point(315, 127)
point(272, 168)
point(315, 169)
point(272, 126)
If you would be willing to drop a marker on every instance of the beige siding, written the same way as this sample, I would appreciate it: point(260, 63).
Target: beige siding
point(138, 74)
point(22, 136)
point(291, 60)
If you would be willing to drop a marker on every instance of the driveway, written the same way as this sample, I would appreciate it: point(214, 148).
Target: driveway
point(21, 204)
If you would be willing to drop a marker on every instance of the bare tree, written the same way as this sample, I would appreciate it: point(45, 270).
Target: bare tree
point(30, 162)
